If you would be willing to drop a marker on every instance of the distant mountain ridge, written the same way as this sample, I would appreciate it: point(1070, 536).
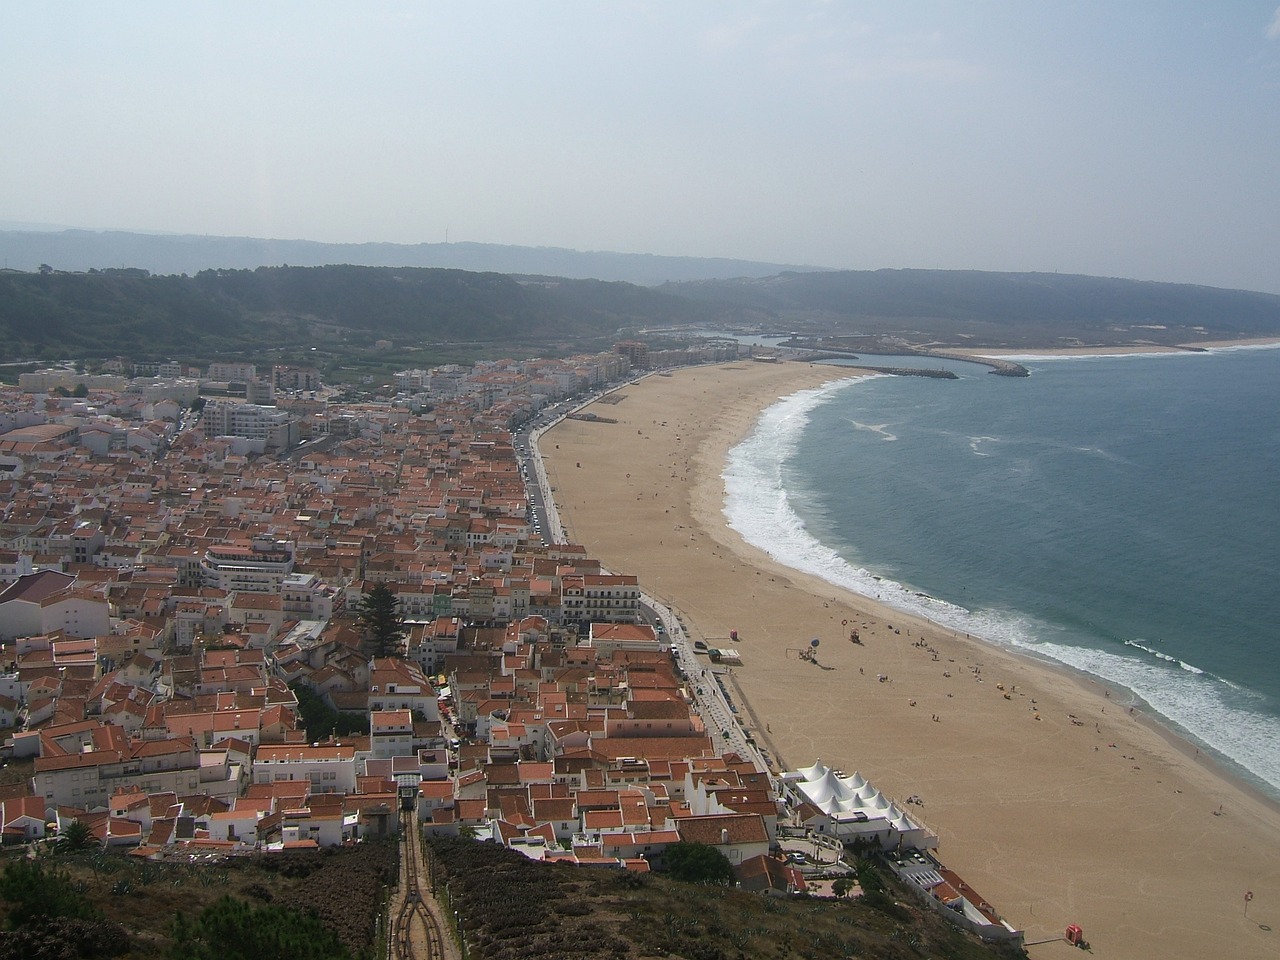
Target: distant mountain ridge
point(80, 250)
point(1012, 309)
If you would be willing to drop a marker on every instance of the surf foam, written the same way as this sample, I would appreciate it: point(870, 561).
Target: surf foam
point(1212, 711)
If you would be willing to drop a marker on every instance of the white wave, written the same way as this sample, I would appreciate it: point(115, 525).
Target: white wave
point(757, 505)
point(878, 428)
point(1155, 653)
point(1241, 347)
point(976, 442)
point(1193, 701)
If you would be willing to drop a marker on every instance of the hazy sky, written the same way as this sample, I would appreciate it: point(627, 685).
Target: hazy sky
point(1136, 138)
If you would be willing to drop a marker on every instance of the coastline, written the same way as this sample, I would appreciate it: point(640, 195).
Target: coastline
point(1121, 351)
point(1052, 830)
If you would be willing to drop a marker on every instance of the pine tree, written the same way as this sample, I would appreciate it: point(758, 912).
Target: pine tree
point(381, 621)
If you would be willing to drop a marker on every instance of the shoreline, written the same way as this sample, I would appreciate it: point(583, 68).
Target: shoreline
point(904, 600)
point(1019, 800)
point(1121, 351)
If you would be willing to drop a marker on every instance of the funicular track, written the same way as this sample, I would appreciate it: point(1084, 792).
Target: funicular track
point(416, 933)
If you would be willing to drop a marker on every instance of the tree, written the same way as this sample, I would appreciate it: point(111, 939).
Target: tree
point(230, 929)
point(75, 836)
point(841, 886)
point(322, 721)
point(869, 877)
point(697, 863)
point(31, 894)
point(379, 612)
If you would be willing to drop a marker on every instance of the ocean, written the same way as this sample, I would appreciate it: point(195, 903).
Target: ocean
point(1115, 514)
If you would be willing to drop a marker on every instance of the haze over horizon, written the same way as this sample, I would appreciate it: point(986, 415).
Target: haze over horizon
point(1136, 140)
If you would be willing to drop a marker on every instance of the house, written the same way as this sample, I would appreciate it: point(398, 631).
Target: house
point(49, 601)
point(399, 685)
point(88, 777)
point(318, 823)
point(325, 768)
point(391, 733)
point(739, 836)
point(22, 819)
point(766, 874)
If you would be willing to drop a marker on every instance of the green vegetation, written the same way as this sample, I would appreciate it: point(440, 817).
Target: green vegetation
point(282, 312)
point(239, 907)
point(231, 929)
point(341, 318)
point(321, 720)
point(512, 907)
point(697, 863)
point(326, 904)
point(380, 620)
point(958, 305)
point(75, 836)
point(32, 892)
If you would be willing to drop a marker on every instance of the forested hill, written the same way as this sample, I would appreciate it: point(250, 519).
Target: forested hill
point(130, 312)
point(53, 314)
point(1026, 307)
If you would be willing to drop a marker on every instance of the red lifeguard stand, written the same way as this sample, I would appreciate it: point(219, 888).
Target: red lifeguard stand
point(1075, 936)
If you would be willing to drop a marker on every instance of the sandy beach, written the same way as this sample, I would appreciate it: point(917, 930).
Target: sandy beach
point(1050, 798)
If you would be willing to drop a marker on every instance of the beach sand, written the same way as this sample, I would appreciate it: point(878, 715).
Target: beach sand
point(1109, 823)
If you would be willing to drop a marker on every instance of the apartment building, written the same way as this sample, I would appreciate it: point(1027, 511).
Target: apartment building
point(327, 768)
point(89, 778)
point(611, 598)
point(268, 427)
point(260, 566)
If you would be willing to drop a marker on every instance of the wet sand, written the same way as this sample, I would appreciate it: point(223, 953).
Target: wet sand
point(1049, 797)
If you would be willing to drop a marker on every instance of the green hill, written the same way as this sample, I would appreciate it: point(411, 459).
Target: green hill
point(102, 313)
point(57, 315)
point(1040, 308)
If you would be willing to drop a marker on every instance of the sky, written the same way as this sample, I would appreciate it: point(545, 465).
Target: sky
point(1137, 139)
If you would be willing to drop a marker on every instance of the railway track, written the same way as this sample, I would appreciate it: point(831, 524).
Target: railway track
point(416, 932)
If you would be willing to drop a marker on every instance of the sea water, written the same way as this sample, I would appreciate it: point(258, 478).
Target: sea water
point(1119, 515)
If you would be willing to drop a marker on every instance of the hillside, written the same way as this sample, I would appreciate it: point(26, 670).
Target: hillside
point(98, 903)
point(81, 250)
point(127, 311)
point(995, 308)
point(512, 907)
point(55, 315)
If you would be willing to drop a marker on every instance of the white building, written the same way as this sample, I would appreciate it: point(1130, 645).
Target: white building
point(258, 567)
point(268, 427)
point(304, 596)
point(850, 808)
point(49, 601)
point(612, 598)
point(328, 768)
point(399, 685)
point(239, 372)
point(89, 779)
point(391, 733)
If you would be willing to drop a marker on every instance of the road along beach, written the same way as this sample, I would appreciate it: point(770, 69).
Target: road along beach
point(1048, 795)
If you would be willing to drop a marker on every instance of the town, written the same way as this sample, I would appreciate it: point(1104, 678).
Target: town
point(240, 614)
